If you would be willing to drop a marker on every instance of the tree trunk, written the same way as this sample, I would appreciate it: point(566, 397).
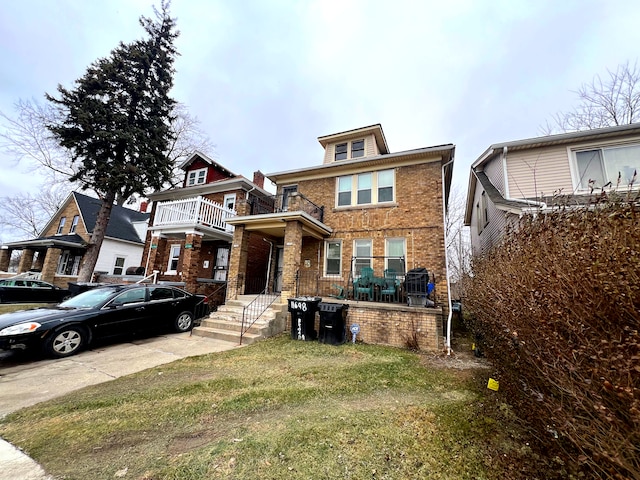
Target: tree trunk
point(97, 236)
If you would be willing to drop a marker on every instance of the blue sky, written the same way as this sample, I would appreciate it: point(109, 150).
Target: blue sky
point(266, 78)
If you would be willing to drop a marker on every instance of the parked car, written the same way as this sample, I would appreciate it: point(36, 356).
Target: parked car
point(16, 290)
point(99, 313)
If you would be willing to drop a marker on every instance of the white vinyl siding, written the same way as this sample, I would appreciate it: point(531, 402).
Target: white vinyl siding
point(114, 248)
point(544, 171)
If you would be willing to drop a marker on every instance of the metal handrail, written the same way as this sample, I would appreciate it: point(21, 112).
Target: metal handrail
point(254, 310)
point(154, 275)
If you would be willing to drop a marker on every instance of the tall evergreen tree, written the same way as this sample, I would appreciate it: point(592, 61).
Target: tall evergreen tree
point(116, 122)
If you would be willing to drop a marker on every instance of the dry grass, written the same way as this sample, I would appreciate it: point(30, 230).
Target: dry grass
point(279, 409)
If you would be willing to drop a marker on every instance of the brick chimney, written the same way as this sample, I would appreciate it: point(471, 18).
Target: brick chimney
point(258, 178)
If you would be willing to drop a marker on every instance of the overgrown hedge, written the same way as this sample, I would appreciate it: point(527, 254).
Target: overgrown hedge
point(558, 308)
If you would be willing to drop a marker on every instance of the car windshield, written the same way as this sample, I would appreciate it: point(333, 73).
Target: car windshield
point(90, 298)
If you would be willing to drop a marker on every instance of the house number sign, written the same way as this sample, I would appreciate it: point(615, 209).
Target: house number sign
point(299, 306)
point(355, 330)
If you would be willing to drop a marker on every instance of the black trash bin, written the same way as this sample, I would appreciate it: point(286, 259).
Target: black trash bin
point(303, 317)
point(333, 325)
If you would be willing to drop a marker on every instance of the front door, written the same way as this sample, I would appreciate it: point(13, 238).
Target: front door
point(277, 279)
point(221, 267)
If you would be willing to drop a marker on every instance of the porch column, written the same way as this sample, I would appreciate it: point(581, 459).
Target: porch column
point(26, 260)
point(5, 256)
point(292, 258)
point(238, 258)
point(191, 261)
point(50, 264)
point(156, 253)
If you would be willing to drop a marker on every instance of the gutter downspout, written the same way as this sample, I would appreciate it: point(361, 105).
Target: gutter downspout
point(446, 261)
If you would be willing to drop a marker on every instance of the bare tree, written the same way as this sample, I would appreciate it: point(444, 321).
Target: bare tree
point(26, 214)
point(458, 243)
point(605, 102)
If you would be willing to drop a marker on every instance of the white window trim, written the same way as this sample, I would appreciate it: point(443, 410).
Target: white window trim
point(326, 258)
point(227, 197)
point(196, 176)
point(355, 252)
point(124, 264)
point(374, 189)
point(61, 224)
point(387, 255)
point(74, 223)
point(171, 257)
point(573, 162)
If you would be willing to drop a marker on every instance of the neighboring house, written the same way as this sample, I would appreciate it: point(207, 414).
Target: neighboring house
point(189, 240)
point(363, 209)
point(58, 252)
point(538, 174)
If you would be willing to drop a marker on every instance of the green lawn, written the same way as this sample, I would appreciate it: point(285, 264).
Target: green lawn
point(280, 409)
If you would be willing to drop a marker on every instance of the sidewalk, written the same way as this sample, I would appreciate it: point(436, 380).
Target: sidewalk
point(25, 384)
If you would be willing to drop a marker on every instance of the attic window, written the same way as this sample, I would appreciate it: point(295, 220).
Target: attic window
point(341, 151)
point(197, 177)
point(357, 148)
point(74, 224)
point(63, 220)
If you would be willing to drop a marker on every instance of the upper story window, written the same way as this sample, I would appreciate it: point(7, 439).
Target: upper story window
point(352, 149)
point(197, 177)
point(63, 220)
point(230, 201)
point(371, 188)
point(482, 212)
point(357, 149)
point(616, 166)
point(74, 223)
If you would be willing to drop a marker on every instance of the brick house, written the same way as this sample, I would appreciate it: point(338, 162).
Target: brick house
point(363, 209)
point(538, 174)
point(57, 253)
point(189, 240)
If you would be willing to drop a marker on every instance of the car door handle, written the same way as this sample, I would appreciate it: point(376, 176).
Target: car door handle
point(139, 309)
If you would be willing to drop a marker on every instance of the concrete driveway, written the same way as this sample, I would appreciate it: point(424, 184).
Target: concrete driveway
point(26, 380)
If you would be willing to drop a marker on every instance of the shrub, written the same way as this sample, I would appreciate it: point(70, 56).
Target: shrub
point(557, 305)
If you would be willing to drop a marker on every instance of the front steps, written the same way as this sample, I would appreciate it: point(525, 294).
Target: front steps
point(226, 323)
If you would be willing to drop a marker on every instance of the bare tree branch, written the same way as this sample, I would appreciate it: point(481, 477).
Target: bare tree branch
point(614, 100)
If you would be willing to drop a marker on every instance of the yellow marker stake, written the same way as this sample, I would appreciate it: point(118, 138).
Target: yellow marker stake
point(493, 385)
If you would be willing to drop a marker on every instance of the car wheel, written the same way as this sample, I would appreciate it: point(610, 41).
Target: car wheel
point(66, 341)
point(183, 322)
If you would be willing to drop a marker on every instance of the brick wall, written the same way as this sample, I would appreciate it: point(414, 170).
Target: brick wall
point(416, 216)
point(394, 325)
point(69, 211)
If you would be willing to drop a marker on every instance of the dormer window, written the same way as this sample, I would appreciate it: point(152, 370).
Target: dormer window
point(341, 151)
point(357, 148)
point(349, 150)
point(197, 177)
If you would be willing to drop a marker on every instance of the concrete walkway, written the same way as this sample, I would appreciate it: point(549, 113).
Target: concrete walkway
point(25, 382)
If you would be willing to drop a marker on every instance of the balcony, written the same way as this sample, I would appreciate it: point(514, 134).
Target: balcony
point(197, 212)
point(288, 202)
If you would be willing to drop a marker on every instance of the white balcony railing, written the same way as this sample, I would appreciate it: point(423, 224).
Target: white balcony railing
point(193, 211)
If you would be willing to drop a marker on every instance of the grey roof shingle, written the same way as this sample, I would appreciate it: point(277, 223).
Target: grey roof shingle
point(120, 225)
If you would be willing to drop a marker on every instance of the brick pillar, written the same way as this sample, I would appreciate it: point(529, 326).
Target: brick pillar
point(238, 262)
point(156, 255)
point(26, 261)
point(292, 258)
point(191, 261)
point(50, 264)
point(5, 257)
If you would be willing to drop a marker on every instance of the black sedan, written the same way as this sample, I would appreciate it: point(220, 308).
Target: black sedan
point(99, 313)
point(15, 290)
